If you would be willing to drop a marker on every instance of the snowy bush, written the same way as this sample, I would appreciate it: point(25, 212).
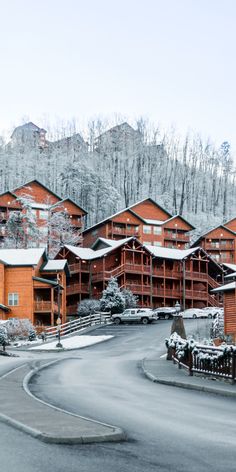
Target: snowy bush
point(112, 299)
point(88, 307)
point(181, 346)
point(20, 328)
point(218, 326)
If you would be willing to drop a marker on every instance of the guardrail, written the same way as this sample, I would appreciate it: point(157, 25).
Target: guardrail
point(77, 325)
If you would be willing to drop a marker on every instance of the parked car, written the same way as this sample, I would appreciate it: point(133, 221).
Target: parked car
point(165, 312)
point(212, 311)
point(195, 313)
point(143, 315)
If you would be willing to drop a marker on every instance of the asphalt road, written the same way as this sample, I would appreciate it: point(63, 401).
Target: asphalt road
point(168, 429)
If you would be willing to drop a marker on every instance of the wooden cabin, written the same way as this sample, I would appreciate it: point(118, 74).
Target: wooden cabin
point(147, 221)
point(44, 204)
point(220, 244)
point(158, 276)
point(31, 286)
point(229, 298)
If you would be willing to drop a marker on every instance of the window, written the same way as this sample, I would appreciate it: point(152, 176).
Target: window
point(157, 229)
point(147, 229)
point(13, 299)
point(157, 243)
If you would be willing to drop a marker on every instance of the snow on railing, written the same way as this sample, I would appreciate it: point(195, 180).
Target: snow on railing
point(76, 325)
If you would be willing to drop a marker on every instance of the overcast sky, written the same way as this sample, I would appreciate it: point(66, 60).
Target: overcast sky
point(170, 60)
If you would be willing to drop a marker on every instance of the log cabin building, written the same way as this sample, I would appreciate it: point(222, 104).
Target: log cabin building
point(220, 242)
point(44, 203)
point(158, 276)
point(228, 291)
point(147, 221)
point(31, 286)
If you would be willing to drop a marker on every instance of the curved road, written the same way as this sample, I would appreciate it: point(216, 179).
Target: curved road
point(169, 429)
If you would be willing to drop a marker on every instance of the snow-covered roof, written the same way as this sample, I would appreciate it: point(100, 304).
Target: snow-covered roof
point(154, 222)
point(41, 206)
point(229, 276)
point(132, 211)
point(90, 254)
point(169, 253)
point(21, 257)
point(54, 265)
point(225, 288)
point(230, 266)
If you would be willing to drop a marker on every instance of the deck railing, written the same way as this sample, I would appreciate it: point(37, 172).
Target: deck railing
point(77, 325)
point(211, 361)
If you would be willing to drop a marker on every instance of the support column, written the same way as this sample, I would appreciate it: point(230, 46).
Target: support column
point(52, 306)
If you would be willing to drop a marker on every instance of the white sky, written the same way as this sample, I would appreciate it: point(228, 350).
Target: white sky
point(170, 60)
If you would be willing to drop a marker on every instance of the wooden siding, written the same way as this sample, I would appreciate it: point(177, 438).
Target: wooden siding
point(37, 192)
point(230, 313)
point(149, 210)
point(231, 225)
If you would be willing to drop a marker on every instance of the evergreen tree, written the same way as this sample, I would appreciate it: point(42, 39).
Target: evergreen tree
point(112, 299)
point(131, 300)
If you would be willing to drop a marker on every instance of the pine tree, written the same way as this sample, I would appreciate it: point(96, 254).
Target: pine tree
point(112, 299)
point(131, 300)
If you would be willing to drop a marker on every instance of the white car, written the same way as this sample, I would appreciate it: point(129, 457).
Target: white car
point(144, 315)
point(212, 311)
point(195, 313)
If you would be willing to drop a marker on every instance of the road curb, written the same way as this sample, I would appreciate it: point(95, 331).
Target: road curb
point(116, 434)
point(185, 385)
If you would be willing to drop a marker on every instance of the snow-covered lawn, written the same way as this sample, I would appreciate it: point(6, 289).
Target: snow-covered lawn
point(75, 342)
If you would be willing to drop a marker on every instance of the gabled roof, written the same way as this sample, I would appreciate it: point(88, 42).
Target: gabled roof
point(56, 265)
point(67, 199)
point(39, 183)
point(8, 191)
point(210, 230)
point(130, 210)
point(122, 126)
point(22, 257)
point(89, 254)
point(225, 288)
point(169, 253)
point(181, 217)
point(28, 126)
point(229, 221)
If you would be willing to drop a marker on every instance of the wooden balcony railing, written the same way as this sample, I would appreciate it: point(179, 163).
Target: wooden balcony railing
point(138, 288)
point(45, 306)
point(229, 246)
point(124, 231)
point(196, 294)
point(83, 267)
point(77, 288)
point(176, 236)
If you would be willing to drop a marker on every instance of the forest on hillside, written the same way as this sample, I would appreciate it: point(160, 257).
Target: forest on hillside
point(108, 167)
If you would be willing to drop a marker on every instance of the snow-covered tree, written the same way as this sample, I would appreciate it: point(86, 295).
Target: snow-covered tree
point(112, 299)
point(21, 227)
point(60, 231)
point(88, 307)
point(131, 300)
point(3, 337)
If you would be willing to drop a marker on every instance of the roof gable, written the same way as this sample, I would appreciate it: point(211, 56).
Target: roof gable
point(38, 191)
point(22, 257)
point(148, 208)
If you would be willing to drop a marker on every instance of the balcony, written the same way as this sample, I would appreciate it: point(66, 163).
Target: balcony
point(77, 288)
point(166, 292)
point(176, 236)
point(196, 294)
point(45, 306)
point(83, 267)
point(138, 288)
point(196, 275)
point(229, 246)
point(124, 231)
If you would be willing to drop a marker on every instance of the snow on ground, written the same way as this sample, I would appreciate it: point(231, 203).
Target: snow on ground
point(75, 342)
